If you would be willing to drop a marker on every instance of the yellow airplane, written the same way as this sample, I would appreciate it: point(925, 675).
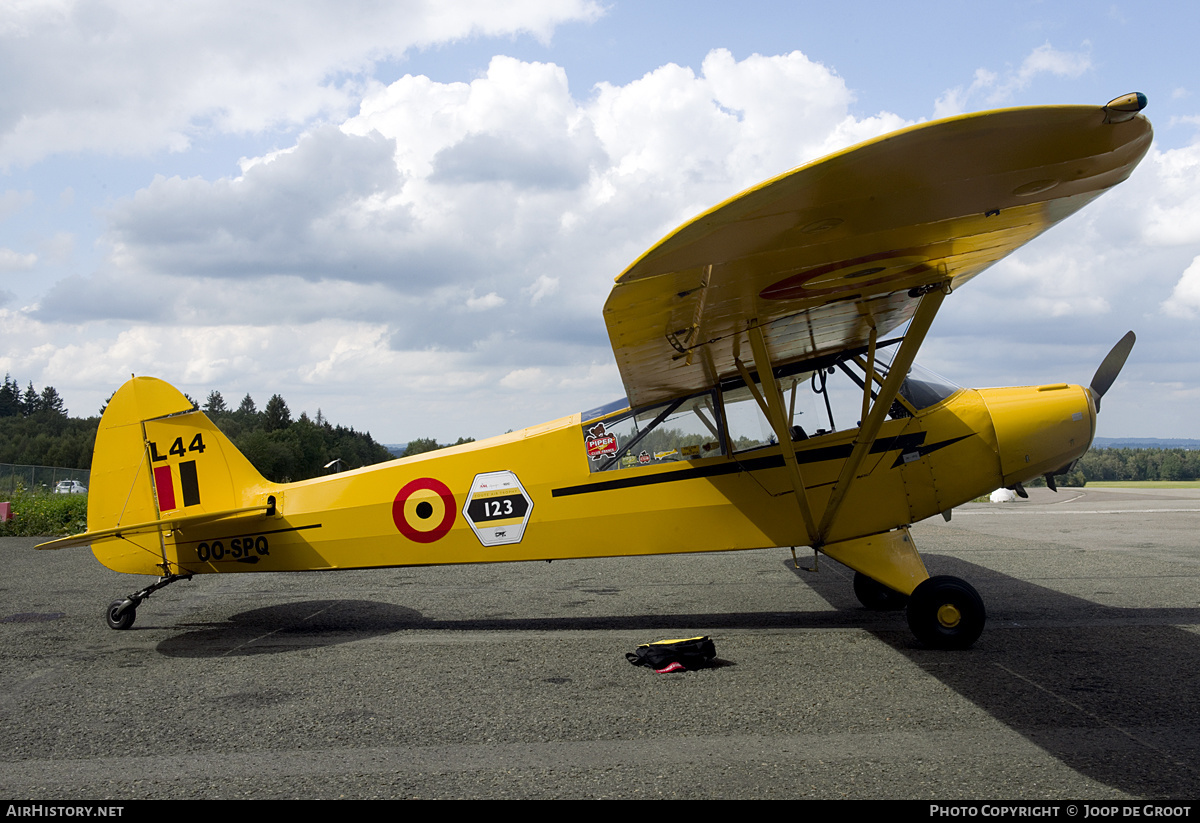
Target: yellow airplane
point(715, 329)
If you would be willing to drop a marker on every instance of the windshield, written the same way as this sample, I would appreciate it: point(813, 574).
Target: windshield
point(923, 387)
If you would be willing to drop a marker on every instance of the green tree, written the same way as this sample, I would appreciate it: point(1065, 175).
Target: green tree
point(307, 442)
point(428, 444)
point(273, 459)
point(30, 401)
point(215, 404)
point(50, 401)
point(1171, 467)
point(292, 452)
point(420, 446)
point(10, 398)
point(276, 415)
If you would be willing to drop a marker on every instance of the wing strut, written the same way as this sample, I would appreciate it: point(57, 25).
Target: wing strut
point(776, 414)
point(870, 425)
point(873, 378)
point(868, 369)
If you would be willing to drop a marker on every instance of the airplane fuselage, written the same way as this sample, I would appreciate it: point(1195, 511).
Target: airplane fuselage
point(533, 494)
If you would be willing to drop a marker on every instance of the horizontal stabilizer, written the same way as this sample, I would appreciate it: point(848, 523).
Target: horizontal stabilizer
point(165, 524)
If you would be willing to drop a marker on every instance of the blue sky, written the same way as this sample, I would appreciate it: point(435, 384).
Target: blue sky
point(408, 215)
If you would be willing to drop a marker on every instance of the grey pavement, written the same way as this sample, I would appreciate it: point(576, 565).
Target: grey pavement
point(510, 680)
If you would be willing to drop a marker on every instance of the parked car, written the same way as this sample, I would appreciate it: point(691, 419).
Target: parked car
point(70, 487)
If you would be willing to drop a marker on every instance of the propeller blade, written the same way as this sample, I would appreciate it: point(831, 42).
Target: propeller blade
point(1111, 366)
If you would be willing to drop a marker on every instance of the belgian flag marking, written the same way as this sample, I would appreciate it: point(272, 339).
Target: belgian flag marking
point(165, 485)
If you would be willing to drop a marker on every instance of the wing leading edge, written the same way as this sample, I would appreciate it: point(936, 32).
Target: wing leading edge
point(819, 255)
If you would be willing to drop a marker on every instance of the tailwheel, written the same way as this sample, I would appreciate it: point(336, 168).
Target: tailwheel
point(876, 596)
point(946, 613)
point(120, 614)
point(118, 617)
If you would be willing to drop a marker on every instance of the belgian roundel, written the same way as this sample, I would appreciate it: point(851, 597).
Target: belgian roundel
point(424, 510)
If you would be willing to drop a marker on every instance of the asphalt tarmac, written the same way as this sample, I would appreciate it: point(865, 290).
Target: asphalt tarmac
point(510, 681)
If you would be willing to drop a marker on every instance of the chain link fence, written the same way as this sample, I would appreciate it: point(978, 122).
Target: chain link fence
point(14, 478)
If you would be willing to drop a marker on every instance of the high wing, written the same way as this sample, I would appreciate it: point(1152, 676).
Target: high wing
point(819, 255)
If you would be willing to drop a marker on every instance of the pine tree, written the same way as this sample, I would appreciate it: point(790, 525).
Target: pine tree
point(50, 401)
point(276, 416)
point(30, 401)
point(10, 398)
point(216, 404)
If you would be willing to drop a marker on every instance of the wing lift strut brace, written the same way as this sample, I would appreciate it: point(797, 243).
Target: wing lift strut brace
point(873, 417)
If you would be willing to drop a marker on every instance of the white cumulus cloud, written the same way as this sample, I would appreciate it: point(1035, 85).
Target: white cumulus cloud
point(129, 76)
point(1185, 297)
point(998, 87)
point(473, 227)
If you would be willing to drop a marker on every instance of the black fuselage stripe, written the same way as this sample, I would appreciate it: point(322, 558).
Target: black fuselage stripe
point(671, 477)
point(903, 442)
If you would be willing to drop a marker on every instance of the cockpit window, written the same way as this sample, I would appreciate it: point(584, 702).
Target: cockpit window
point(815, 401)
point(680, 430)
point(922, 388)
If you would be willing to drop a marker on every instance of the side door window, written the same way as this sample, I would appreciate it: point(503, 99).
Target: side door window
point(671, 432)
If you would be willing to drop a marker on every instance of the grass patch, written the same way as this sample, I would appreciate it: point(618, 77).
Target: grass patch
point(1143, 484)
point(35, 515)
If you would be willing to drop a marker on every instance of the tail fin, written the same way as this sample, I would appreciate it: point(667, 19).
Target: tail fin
point(158, 458)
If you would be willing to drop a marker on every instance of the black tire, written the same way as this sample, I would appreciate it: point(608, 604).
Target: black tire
point(876, 596)
point(120, 621)
point(946, 613)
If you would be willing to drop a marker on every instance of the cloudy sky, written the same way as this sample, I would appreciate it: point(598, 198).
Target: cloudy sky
point(408, 214)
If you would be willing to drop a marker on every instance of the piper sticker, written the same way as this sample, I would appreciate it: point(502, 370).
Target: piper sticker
point(497, 508)
point(600, 442)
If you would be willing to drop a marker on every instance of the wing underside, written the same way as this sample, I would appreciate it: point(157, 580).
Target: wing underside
point(819, 255)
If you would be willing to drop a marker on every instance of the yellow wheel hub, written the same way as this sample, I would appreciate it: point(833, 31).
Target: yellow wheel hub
point(949, 616)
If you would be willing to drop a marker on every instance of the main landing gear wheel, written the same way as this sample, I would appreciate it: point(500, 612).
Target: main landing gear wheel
point(118, 619)
point(946, 613)
point(876, 596)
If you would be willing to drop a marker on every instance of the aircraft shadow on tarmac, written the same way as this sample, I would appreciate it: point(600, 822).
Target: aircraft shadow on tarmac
point(317, 623)
point(287, 627)
point(1113, 693)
